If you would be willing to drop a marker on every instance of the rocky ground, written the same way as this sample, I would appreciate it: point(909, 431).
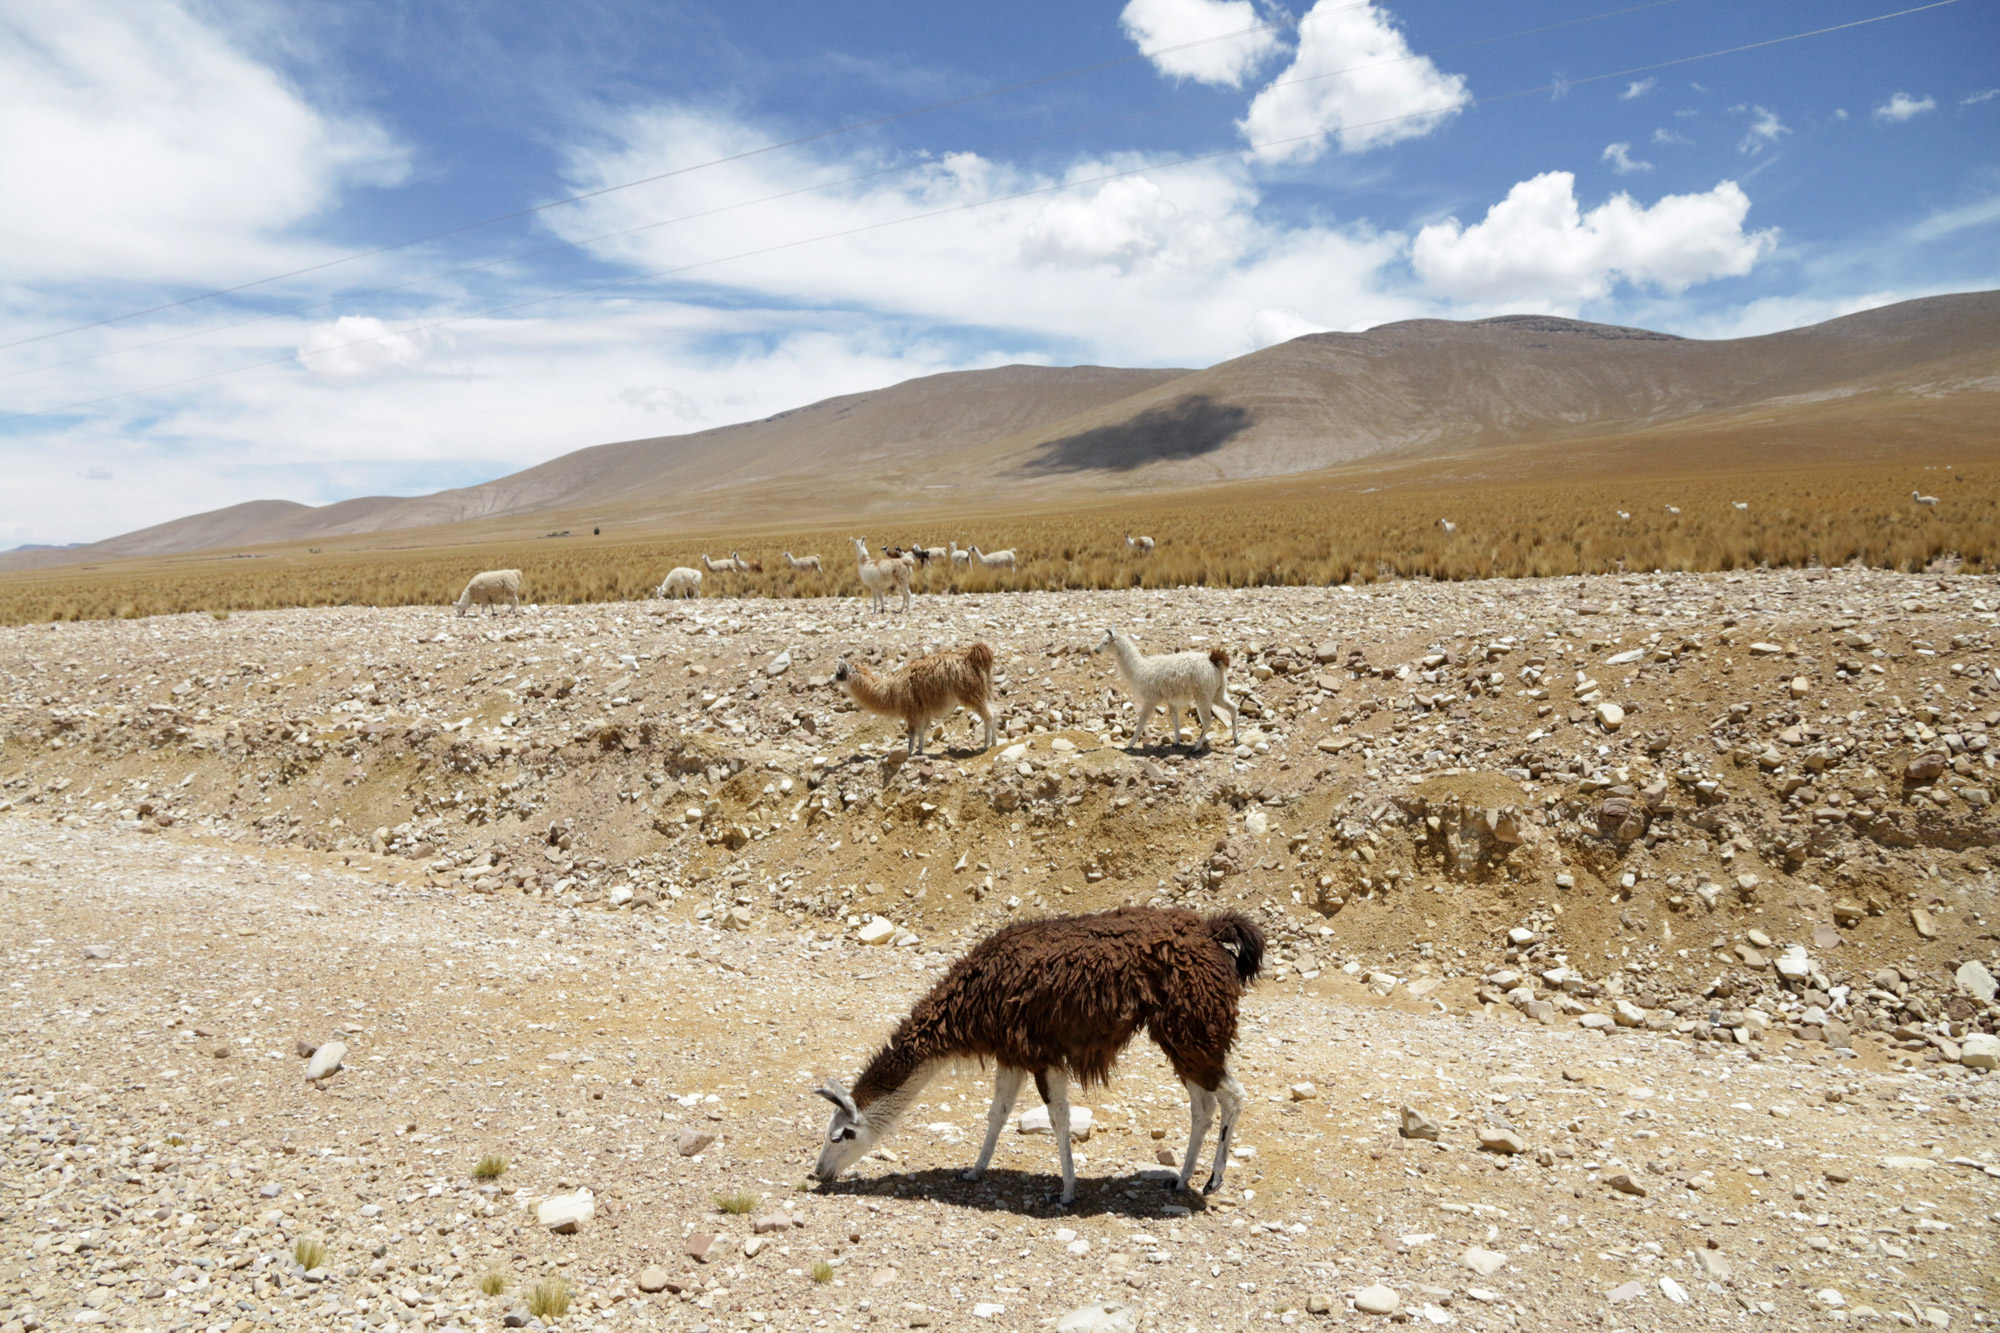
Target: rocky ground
point(1632, 961)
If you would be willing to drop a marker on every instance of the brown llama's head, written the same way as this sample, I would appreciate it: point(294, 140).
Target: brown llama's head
point(842, 672)
point(849, 1136)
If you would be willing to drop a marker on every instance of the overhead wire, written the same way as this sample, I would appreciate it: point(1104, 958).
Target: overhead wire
point(898, 168)
point(426, 326)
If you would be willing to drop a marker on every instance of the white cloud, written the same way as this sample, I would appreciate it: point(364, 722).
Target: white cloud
point(1175, 33)
point(1902, 107)
point(1946, 221)
point(154, 149)
point(1619, 155)
point(1355, 78)
point(1666, 136)
point(1984, 95)
point(357, 345)
point(1281, 324)
point(1638, 88)
point(1765, 128)
point(1536, 249)
point(1775, 314)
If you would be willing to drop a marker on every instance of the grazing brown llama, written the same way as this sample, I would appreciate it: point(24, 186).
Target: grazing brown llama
point(926, 691)
point(1058, 999)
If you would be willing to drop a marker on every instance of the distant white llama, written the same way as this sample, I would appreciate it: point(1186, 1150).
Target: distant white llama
point(994, 559)
point(803, 562)
point(880, 577)
point(680, 582)
point(1142, 544)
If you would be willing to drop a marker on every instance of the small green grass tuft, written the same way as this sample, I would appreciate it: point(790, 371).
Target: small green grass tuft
point(550, 1298)
point(493, 1284)
point(822, 1271)
point(220, 615)
point(176, 1141)
point(490, 1167)
point(309, 1253)
point(736, 1201)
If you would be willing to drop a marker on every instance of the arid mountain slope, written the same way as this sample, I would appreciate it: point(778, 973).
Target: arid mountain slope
point(1923, 373)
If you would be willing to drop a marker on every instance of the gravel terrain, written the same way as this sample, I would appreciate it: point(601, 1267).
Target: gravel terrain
point(1632, 956)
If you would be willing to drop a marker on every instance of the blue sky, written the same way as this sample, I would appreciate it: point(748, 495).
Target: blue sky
point(1267, 170)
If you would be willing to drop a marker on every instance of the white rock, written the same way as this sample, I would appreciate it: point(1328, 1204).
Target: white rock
point(1303, 1092)
point(1974, 980)
point(620, 895)
point(1376, 1300)
point(1907, 1163)
point(1628, 656)
point(1673, 1291)
point(988, 1309)
point(1610, 716)
point(1627, 1014)
point(1595, 1022)
point(780, 664)
point(1483, 1262)
point(1980, 1051)
point(1795, 964)
point(1257, 822)
point(101, 951)
point(1037, 1122)
point(325, 1060)
point(564, 1213)
point(877, 930)
point(1101, 1317)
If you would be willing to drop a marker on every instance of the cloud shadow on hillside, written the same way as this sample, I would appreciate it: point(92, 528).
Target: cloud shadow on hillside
point(1188, 428)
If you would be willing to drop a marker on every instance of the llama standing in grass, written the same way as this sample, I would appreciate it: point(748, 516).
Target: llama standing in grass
point(1739, 506)
point(1057, 1000)
point(489, 590)
point(803, 562)
point(1197, 679)
point(1675, 510)
point(994, 559)
point(1142, 544)
point(728, 565)
point(959, 557)
point(879, 577)
point(1923, 499)
point(926, 554)
point(927, 691)
point(680, 582)
point(1448, 526)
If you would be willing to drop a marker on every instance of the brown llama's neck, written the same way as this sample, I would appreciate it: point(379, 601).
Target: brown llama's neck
point(865, 688)
point(893, 1079)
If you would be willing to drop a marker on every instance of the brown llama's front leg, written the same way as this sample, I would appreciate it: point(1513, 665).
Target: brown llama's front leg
point(1053, 1084)
point(1201, 1113)
point(1006, 1088)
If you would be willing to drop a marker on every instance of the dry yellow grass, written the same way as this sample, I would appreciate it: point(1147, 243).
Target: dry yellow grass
point(1325, 529)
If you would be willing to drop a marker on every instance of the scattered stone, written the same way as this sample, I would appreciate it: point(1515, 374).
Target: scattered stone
point(1483, 1262)
point(1101, 1317)
point(1037, 1122)
point(690, 1142)
point(654, 1279)
point(1319, 1302)
point(780, 664)
point(1714, 1265)
point(1624, 1184)
point(565, 1214)
point(1417, 1125)
point(97, 951)
point(1980, 1050)
point(1625, 1291)
point(1673, 1291)
point(325, 1060)
point(876, 930)
point(1975, 980)
point(772, 1222)
point(1794, 964)
point(1377, 1300)
point(1923, 923)
point(1610, 716)
point(1303, 1092)
point(700, 1246)
point(1907, 1163)
point(1501, 1139)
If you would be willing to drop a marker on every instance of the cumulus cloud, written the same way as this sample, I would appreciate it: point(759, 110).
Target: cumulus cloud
point(1537, 249)
point(1638, 88)
point(1354, 78)
point(1176, 35)
point(357, 345)
point(1619, 155)
point(1666, 136)
point(1765, 129)
point(1280, 324)
point(155, 149)
point(1902, 107)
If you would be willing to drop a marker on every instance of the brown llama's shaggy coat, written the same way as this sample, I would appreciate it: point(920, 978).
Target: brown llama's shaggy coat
point(1058, 999)
point(928, 690)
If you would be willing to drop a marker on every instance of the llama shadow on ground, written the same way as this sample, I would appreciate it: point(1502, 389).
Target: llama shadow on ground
point(1030, 1193)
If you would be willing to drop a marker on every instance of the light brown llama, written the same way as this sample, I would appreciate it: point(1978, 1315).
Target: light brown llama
point(927, 691)
point(880, 577)
point(1058, 999)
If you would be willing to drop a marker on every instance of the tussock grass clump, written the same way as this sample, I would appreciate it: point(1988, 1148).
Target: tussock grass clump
point(489, 1167)
point(493, 1284)
point(550, 1298)
point(736, 1201)
point(309, 1253)
point(821, 1271)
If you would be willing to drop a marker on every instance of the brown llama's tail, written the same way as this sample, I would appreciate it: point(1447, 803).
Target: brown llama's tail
point(980, 658)
point(1242, 937)
point(1219, 656)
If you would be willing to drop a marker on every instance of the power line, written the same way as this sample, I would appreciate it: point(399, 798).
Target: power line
point(427, 325)
point(1084, 127)
point(872, 123)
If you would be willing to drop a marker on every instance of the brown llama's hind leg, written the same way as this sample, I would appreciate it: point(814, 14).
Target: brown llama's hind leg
point(1053, 1084)
point(1230, 1097)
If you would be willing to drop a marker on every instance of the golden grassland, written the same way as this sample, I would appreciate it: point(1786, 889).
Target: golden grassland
point(1324, 529)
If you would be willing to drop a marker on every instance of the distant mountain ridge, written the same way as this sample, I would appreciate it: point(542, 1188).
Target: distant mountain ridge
point(1028, 433)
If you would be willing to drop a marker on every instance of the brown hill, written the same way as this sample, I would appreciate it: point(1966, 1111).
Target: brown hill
point(1919, 374)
